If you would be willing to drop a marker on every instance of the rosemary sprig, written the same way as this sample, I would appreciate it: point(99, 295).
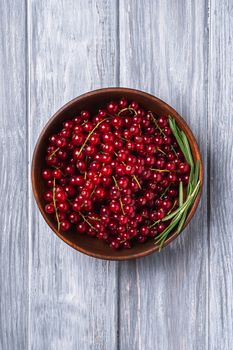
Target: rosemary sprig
point(55, 204)
point(179, 215)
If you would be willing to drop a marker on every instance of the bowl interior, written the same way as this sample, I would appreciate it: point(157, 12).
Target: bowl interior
point(93, 101)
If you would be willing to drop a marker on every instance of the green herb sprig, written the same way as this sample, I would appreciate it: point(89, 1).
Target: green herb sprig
point(178, 216)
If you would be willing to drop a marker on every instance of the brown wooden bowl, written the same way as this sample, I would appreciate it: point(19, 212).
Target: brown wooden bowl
point(91, 101)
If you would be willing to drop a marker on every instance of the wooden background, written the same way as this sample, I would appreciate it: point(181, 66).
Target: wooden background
point(54, 298)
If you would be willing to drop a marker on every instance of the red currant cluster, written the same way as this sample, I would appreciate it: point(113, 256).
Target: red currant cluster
point(114, 174)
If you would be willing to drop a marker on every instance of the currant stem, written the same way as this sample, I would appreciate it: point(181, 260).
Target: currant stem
point(55, 205)
point(156, 124)
point(53, 153)
point(117, 186)
point(84, 218)
point(138, 183)
point(89, 135)
point(127, 109)
point(160, 170)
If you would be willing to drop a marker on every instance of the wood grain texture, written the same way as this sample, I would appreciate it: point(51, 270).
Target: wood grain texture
point(221, 181)
point(52, 297)
point(164, 298)
point(73, 298)
point(13, 175)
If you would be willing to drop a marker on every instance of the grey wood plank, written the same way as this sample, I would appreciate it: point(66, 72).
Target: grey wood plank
point(13, 175)
point(73, 298)
point(164, 297)
point(221, 182)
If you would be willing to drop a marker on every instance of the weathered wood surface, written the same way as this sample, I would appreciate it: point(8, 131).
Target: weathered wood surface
point(13, 174)
point(220, 175)
point(52, 297)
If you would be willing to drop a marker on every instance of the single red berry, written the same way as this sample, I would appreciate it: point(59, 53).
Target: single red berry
point(69, 124)
point(144, 230)
point(141, 239)
point(166, 204)
point(112, 107)
point(57, 174)
point(114, 206)
point(76, 206)
point(161, 227)
point(88, 126)
point(49, 208)
point(74, 218)
point(47, 174)
point(123, 103)
point(106, 170)
point(65, 225)
point(77, 119)
point(134, 105)
point(69, 169)
point(94, 139)
point(82, 227)
point(100, 192)
point(90, 150)
point(104, 128)
point(123, 182)
point(117, 122)
point(61, 196)
point(53, 139)
point(85, 115)
point(48, 196)
point(183, 168)
point(115, 244)
point(81, 165)
point(63, 206)
point(171, 166)
point(78, 139)
point(162, 121)
point(61, 142)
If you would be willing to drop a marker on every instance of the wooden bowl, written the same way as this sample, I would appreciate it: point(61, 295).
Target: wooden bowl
point(91, 101)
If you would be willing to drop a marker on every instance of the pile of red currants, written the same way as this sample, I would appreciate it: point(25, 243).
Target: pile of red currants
point(114, 175)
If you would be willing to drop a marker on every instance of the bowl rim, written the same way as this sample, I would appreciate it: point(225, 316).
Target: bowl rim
point(149, 250)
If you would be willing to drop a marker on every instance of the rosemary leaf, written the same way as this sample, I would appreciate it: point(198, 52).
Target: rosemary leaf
point(185, 205)
point(190, 187)
point(181, 223)
point(170, 227)
point(177, 136)
point(162, 243)
point(181, 194)
point(186, 144)
point(196, 173)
